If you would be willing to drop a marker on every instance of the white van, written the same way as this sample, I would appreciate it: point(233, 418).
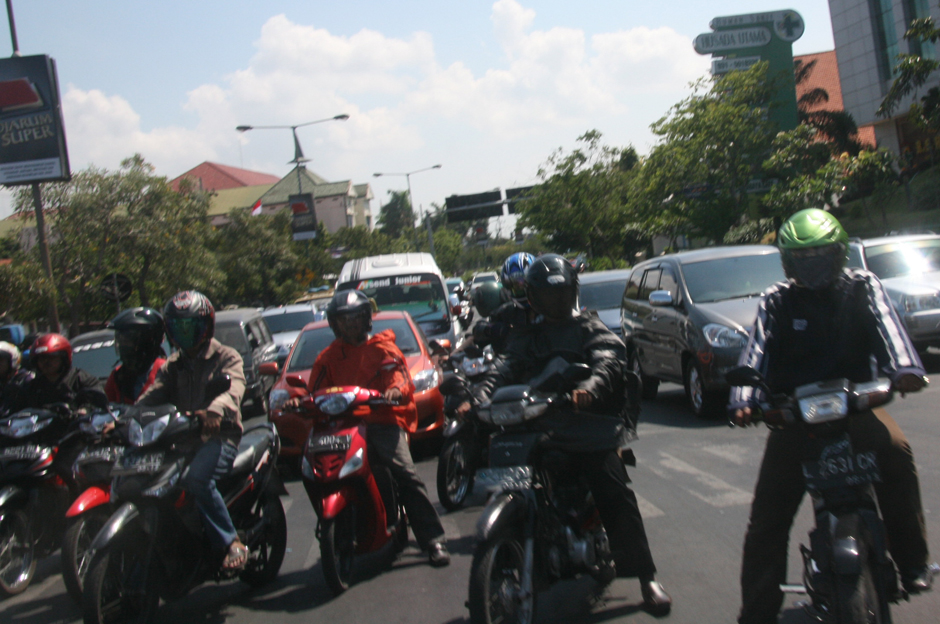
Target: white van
point(406, 281)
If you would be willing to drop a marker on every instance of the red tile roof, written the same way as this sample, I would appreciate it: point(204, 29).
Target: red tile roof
point(213, 176)
point(825, 75)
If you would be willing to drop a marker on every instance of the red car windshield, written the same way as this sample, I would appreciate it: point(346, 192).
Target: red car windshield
point(313, 341)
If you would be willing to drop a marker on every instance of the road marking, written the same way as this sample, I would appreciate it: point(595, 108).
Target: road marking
point(734, 453)
point(726, 495)
point(648, 509)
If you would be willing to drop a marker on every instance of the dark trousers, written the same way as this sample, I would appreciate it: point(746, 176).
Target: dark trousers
point(389, 445)
point(616, 503)
point(777, 498)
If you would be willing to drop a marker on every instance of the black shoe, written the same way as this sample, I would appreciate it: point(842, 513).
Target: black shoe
point(438, 555)
point(918, 581)
point(655, 599)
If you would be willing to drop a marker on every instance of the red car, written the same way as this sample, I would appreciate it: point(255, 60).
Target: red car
point(294, 429)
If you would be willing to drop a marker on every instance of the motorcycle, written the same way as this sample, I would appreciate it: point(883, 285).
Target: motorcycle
point(154, 545)
point(464, 449)
point(92, 508)
point(357, 503)
point(847, 572)
point(541, 525)
point(37, 446)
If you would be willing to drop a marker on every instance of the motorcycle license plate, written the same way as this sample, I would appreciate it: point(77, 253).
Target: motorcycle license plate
point(100, 454)
point(504, 478)
point(138, 463)
point(839, 466)
point(14, 453)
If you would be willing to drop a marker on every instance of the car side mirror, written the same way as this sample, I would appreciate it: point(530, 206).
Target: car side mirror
point(296, 381)
point(439, 346)
point(268, 369)
point(661, 298)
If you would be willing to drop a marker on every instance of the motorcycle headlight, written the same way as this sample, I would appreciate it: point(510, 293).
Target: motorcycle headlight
point(277, 399)
point(139, 436)
point(474, 366)
point(97, 423)
point(23, 426)
point(333, 404)
point(426, 379)
point(723, 336)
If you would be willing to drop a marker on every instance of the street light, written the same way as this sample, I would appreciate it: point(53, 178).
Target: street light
point(298, 153)
point(410, 198)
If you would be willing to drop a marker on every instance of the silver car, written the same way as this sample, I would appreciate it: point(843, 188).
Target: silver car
point(909, 267)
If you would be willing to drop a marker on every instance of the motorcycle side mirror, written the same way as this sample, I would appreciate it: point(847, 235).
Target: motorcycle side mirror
point(439, 346)
point(744, 376)
point(218, 385)
point(296, 381)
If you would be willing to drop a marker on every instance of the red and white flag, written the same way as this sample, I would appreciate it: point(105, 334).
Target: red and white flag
point(256, 209)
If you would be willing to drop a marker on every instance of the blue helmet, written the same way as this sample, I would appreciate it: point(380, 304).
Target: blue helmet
point(513, 274)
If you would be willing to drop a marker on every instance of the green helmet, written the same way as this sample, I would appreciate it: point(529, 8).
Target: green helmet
point(487, 297)
point(813, 248)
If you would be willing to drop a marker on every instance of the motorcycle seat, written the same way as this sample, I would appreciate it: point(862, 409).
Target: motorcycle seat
point(253, 444)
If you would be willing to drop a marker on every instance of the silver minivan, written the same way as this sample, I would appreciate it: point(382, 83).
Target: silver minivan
point(246, 331)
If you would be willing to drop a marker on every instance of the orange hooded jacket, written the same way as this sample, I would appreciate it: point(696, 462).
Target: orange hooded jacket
point(377, 364)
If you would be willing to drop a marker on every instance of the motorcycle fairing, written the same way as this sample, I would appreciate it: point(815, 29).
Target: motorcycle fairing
point(93, 497)
point(507, 508)
point(12, 494)
point(124, 515)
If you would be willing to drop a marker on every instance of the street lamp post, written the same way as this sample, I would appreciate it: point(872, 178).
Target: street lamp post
point(426, 217)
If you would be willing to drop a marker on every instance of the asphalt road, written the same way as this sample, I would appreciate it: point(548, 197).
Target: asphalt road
point(694, 480)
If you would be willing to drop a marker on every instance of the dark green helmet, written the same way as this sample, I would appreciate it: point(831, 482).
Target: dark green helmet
point(487, 297)
point(813, 248)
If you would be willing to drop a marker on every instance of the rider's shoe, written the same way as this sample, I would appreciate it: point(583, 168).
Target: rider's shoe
point(655, 599)
point(438, 555)
point(918, 581)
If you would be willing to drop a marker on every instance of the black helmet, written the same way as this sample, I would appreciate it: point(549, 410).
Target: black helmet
point(350, 303)
point(138, 335)
point(551, 285)
point(190, 320)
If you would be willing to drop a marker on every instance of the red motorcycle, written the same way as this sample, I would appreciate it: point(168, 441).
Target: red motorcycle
point(356, 503)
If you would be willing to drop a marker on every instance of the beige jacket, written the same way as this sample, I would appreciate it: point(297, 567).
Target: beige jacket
point(182, 382)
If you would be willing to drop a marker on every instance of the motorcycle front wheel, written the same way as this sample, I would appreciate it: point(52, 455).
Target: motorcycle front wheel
point(120, 586)
point(17, 552)
point(267, 553)
point(859, 602)
point(79, 534)
point(338, 551)
point(455, 473)
point(496, 595)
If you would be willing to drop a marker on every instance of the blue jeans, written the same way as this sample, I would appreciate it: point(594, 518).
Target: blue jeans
point(212, 462)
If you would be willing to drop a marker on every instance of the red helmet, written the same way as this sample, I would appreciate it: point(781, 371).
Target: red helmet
point(50, 344)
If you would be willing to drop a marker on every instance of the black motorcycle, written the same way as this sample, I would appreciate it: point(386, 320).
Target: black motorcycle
point(541, 525)
point(154, 545)
point(464, 448)
point(847, 571)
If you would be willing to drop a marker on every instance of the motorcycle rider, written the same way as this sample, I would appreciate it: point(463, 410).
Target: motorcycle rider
point(56, 380)
point(513, 313)
point(138, 339)
point(595, 432)
point(358, 358)
point(826, 322)
point(190, 325)
point(12, 377)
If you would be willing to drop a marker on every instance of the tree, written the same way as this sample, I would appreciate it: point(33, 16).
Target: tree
point(396, 218)
point(712, 146)
point(581, 203)
point(913, 71)
point(837, 128)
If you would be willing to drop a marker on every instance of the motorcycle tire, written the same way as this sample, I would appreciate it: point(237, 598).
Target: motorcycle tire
point(338, 551)
point(113, 591)
point(17, 553)
point(401, 533)
point(78, 537)
point(649, 386)
point(455, 474)
point(859, 602)
point(267, 554)
point(496, 581)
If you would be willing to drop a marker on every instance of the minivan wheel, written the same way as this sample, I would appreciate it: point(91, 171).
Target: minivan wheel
point(649, 386)
point(704, 403)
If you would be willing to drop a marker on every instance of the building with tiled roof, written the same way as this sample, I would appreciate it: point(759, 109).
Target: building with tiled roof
point(210, 176)
point(825, 75)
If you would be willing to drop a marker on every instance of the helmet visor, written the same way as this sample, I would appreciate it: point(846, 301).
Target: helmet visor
point(815, 267)
point(352, 328)
point(556, 304)
point(186, 333)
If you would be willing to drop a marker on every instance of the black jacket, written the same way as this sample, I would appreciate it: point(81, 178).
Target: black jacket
point(802, 336)
point(495, 329)
point(584, 339)
point(40, 391)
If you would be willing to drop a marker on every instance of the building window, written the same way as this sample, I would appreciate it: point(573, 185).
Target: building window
point(886, 40)
point(917, 9)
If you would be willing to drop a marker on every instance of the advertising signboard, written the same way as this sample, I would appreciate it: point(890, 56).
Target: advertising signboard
point(32, 135)
point(304, 220)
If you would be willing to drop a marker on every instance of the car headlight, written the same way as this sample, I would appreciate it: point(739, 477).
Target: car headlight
point(277, 398)
point(723, 336)
point(426, 379)
point(918, 303)
point(22, 427)
point(139, 436)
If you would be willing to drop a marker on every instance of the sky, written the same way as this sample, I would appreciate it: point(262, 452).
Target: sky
point(487, 89)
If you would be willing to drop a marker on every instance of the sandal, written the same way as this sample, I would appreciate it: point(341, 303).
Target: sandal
point(236, 558)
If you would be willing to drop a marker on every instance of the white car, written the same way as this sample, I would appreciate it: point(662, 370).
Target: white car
point(286, 322)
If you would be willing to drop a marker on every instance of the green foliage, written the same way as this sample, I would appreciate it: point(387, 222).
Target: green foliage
point(913, 71)
point(396, 218)
point(837, 129)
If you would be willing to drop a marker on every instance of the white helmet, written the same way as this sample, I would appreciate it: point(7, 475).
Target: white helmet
point(14, 354)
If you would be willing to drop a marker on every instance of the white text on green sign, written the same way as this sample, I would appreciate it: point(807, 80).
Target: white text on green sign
point(709, 43)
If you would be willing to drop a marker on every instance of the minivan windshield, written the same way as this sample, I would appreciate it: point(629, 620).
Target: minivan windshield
point(421, 295)
point(290, 321)
point(732, 278)
point(904, 258)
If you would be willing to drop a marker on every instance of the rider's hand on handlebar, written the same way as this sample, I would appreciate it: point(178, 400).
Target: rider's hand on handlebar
point(581, 399)
point(393, 395)
point(742, 417)
point(910, 382)
point(211, 422)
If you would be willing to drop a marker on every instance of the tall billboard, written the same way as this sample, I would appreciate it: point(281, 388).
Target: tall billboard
point(32, 135)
